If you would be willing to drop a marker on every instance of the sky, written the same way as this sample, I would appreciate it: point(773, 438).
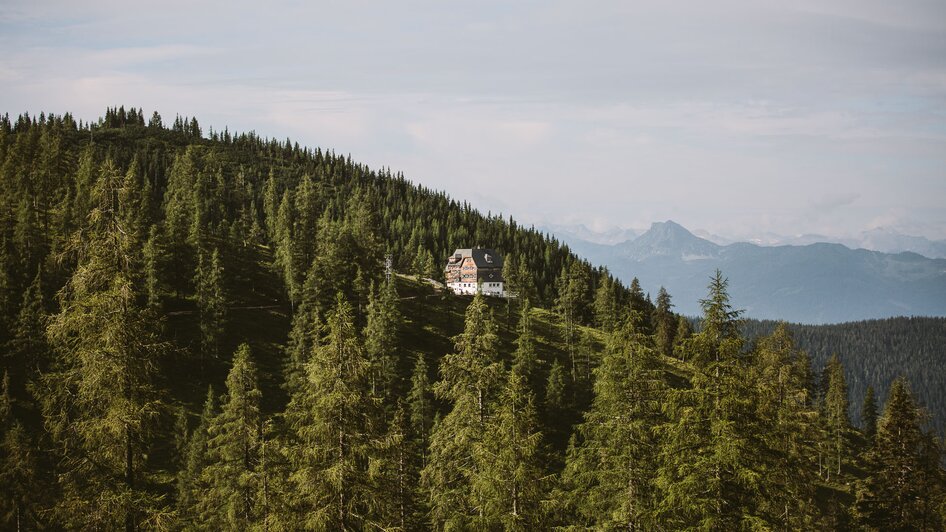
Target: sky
point(734, 117)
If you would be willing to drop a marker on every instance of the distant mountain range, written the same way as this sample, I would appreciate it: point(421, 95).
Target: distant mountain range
point(812, 283)
point(612, 235)
point(879, 239)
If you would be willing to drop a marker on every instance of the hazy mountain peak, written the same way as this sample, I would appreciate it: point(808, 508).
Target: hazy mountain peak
point(669, 239)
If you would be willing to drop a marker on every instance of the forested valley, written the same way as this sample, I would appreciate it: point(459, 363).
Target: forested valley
point(216, 331)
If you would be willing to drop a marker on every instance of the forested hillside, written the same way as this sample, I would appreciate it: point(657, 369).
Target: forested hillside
point(875, 353)
point(203, 332)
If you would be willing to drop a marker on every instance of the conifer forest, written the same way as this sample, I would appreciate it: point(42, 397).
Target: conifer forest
point(205, 330)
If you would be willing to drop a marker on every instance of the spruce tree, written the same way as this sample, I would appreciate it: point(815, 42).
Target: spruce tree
point(555, 408)
point(29, 350)
point(421, 407)
point(610, 473)
point(786, 425)
point(20, 487)
point(869, 414)
point(904, 488)
point(707, 476)
point(836, 421)
point(468, 379)
point(333, 483)
point(509, 483)
point(191, 484)
point(381, 339)
point(99, 401)
point(665, 325)
point(211, 304)
point(525, 358)
point(233, 473)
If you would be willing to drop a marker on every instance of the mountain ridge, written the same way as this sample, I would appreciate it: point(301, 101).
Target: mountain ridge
point(821, 282)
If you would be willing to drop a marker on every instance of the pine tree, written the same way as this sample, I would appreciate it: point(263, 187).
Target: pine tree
point(233, 473)
point(556, 407)
point(869, 415)
point(211, 304)
point(786, 425)
point(684, 330)
point(707, 476)
point(155, 282)
point(509, 484)
point(897, 494)
point(179, 206)
point(605, 306)
point(421, 407)
point(468, 380)
point(331, 475)
point(191, 485)
point(399, 467)
point(99, 402)
point(20, 487)
point(525, 358)
point(665, 325)
point(837, 423)
point(610, 473)
point(29, 350)
point(270, 205)
point(381, 339)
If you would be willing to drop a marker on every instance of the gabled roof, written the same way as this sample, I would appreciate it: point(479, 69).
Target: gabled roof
point(482, 257)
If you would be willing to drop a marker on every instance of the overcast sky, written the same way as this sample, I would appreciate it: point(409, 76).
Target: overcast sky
point(732, 117)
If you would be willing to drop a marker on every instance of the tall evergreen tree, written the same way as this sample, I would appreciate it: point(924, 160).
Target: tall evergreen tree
point(381, 339)
point(869, 415)
point(837, 423)
point(421, 407)
point(610, 472)
point(509, 484)
point(211, 304)
point(29, 350)
point(191, 484)
point(99, 402)
point(332, 477)
point(904, 489)
point(707, 476)
point(786, 426)
point(665, 325)
point(20, 486)
point(233, 473)
point(468, 379)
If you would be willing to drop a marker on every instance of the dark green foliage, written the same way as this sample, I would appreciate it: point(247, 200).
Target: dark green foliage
point(869, 414)
point(99, 402)
point(609, 476)
point(211, 303)
point(876, 352)
point(191, 483)
point(468, 380)
point(709, 474)
point(339, 434)
point(509, 483)
point(835, 407)
point(233, 476)
point(905, 489)
point(381, 340)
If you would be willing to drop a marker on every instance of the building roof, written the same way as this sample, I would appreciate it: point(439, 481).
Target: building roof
point(482, 257)
point(489, 276)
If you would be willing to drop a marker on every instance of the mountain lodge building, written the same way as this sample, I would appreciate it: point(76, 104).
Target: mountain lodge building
point(476, 269)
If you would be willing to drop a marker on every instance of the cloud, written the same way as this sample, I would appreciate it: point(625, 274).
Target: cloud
point(797, 117)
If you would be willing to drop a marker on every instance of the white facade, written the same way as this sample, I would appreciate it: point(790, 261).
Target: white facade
point(488, 289)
